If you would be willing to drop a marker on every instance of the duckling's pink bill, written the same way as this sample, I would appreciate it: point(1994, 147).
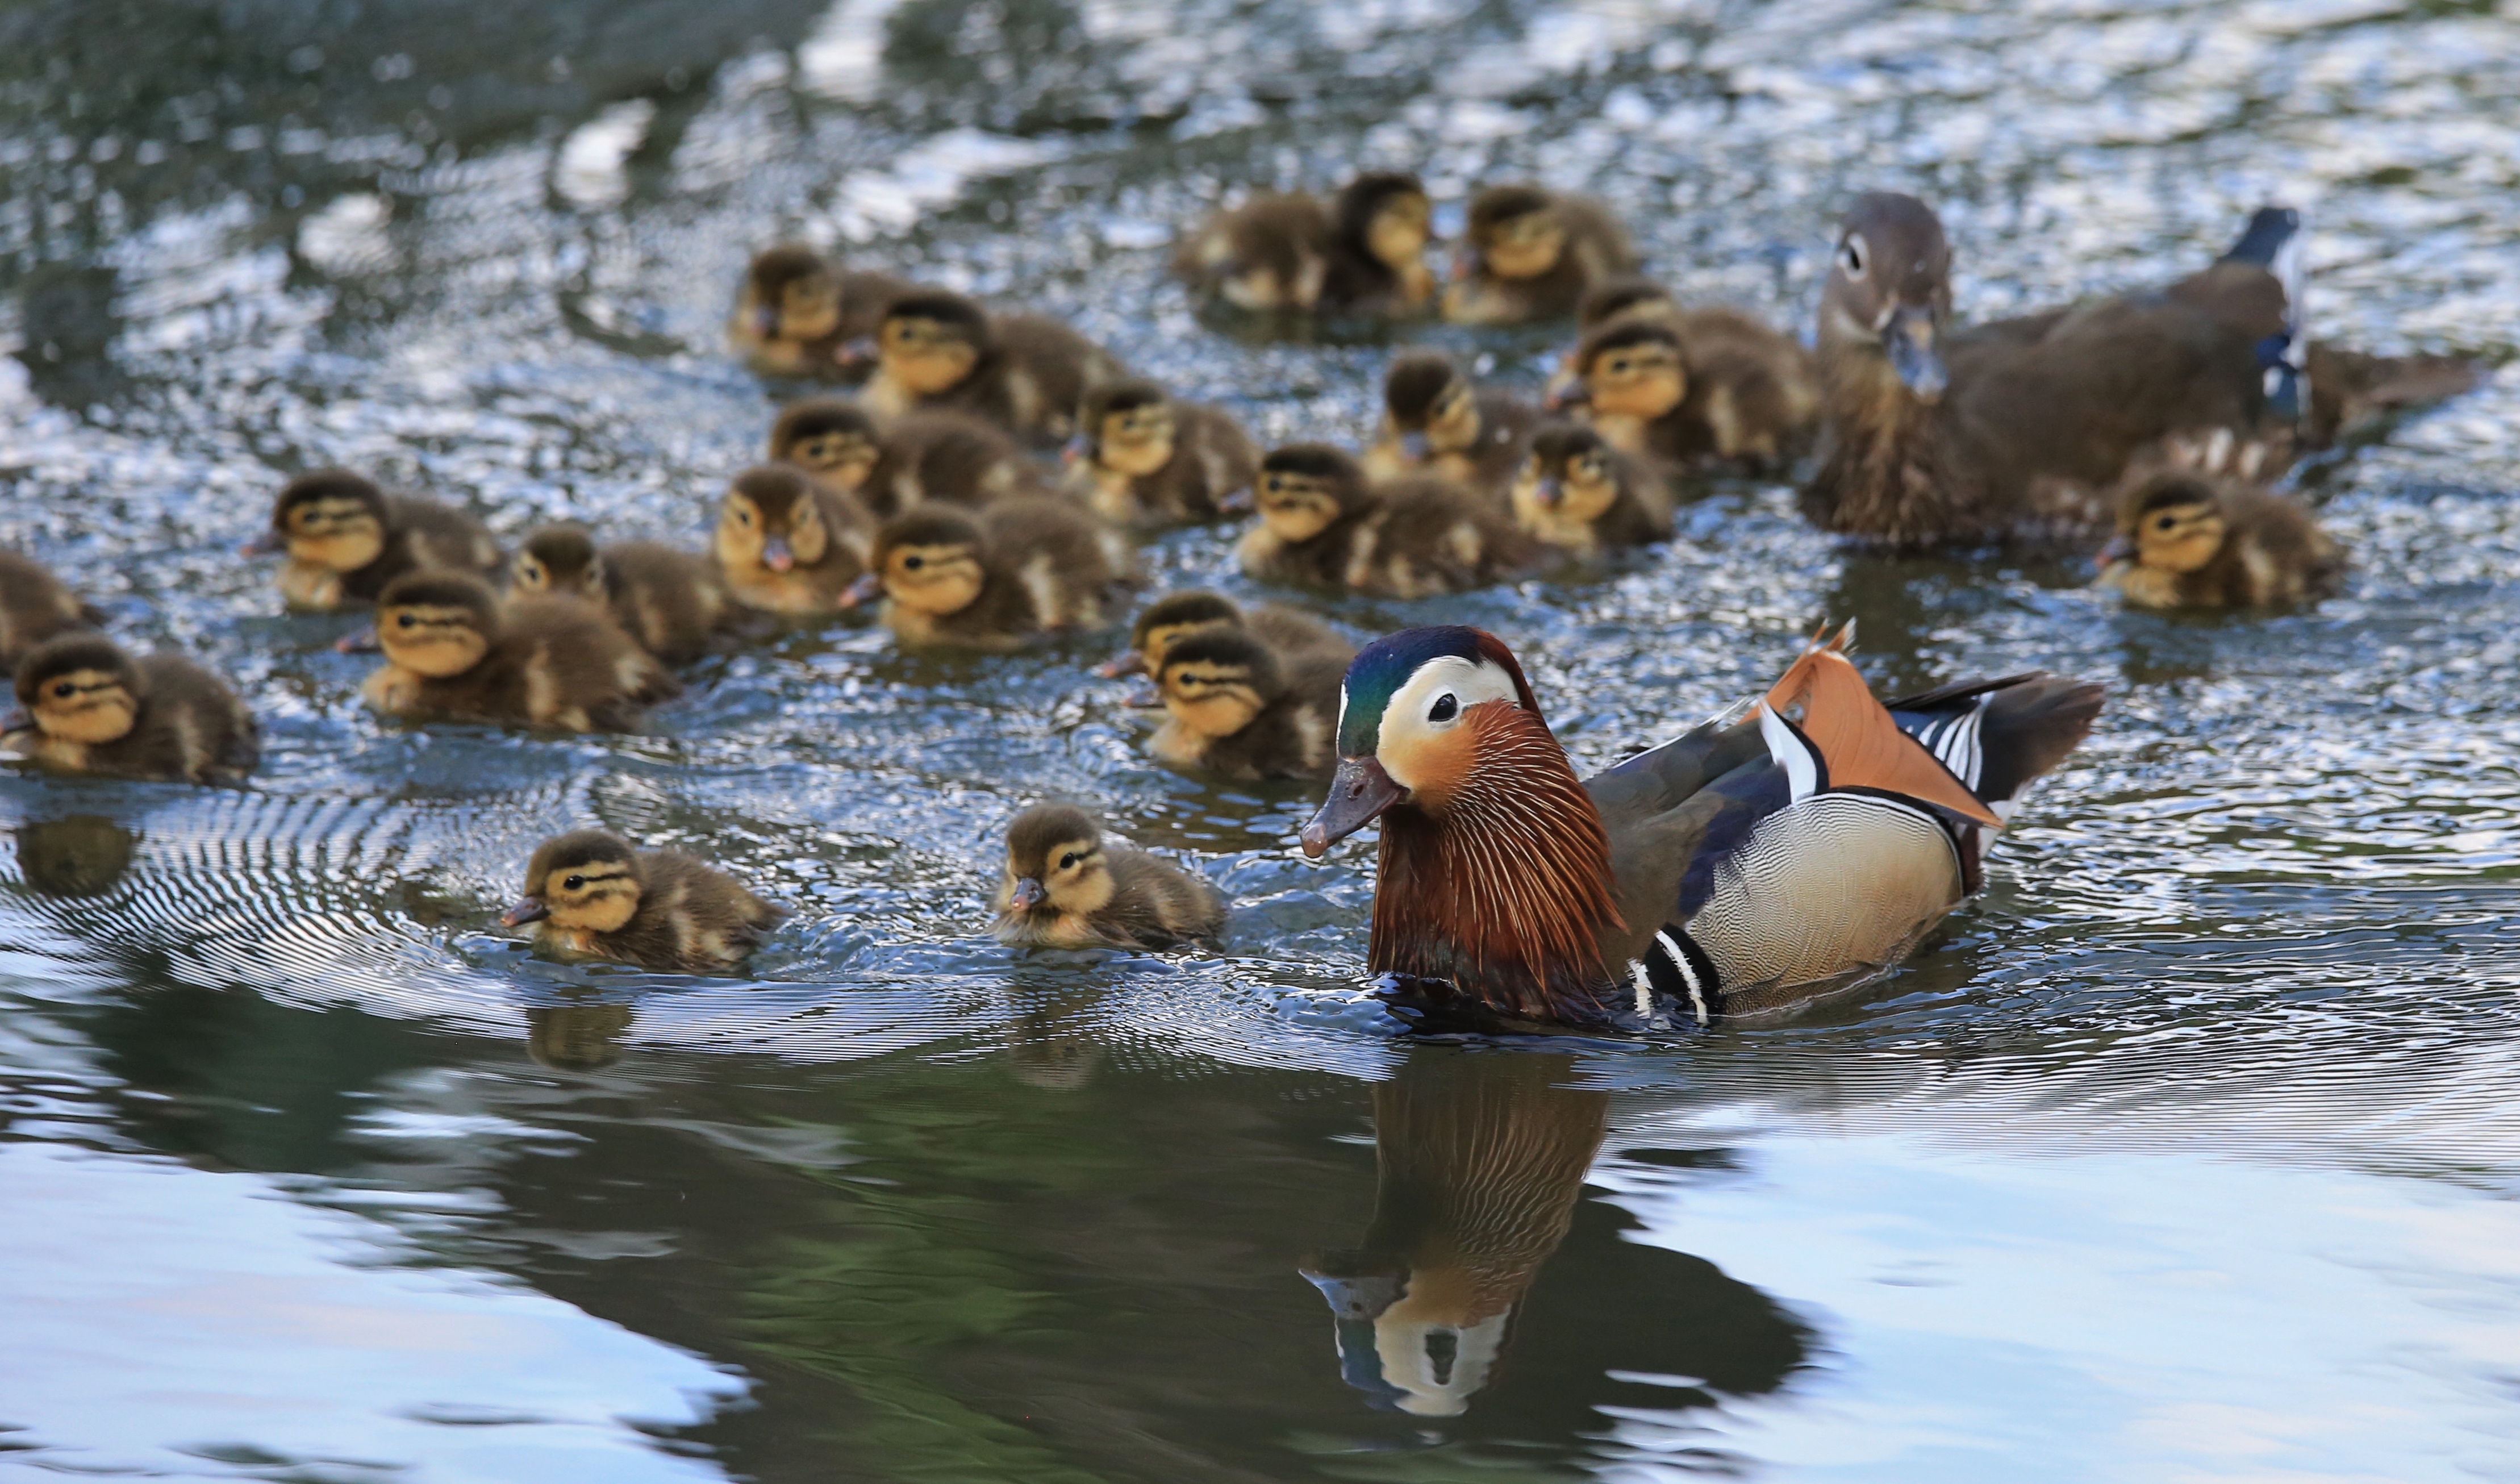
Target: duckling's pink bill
point(862, 591)
point(1360, 792)
point(529, 910)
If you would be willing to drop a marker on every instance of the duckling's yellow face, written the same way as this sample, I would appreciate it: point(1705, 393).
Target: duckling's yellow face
point(593, 896)
point(430, 640)
point(90, 708)
point(1524, 247)
point(1295, 507)
point(1209, 698)
point(809, 308)
point(1071, 877)
point(1137, 442)
point(2179, 537)
point(1580, 488)
point(1398, 231)
point(937, 580)
point(1642, 381)
point(753, 536)
point(336, 534)
point(924, 357)
point(536, 575)
point(836, 457)
point(1161, 638)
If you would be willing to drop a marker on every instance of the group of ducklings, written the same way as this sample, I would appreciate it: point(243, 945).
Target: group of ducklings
point(929, 491)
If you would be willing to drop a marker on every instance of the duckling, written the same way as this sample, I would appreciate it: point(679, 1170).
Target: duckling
point(1712, 384)
point(997, 578)
point(790, 544)
point(1235, 706)
point(590, 896)
point(945, 456)
point(88, 707)
point(1144, 460)
point(1321, 524)
point(1633, 297)
point(552, 662)
point(1068, 887)
point(1022, 372)
point(672, 602)
point(831, 438)
point(1435, 421)
point(1363, 251)
point(1178, 615)
point(798, 315)
point(1316, 509)
point(347, 539)
point(1532, 253)
point(34, 607)
point(2189, 541)
point(1578, 494)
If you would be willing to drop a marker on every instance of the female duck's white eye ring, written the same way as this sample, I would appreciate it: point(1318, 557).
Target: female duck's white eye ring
point(1852, 256)
point(1447, 709)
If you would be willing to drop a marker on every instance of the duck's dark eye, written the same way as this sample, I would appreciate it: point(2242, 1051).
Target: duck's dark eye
point(2164, 523)
point(405, 622)
point(573, 883)
point(1067, 862)
point(65, 689)
point(1445, 708)
point(1851, 256)
point(913, 563)
point(1618, 367)
point(744, 517)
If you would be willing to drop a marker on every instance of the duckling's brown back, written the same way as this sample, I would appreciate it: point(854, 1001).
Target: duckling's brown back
point(691, 917)
point(425, 535)
point(191, 726)
point(672, 602)
point(1156, 903)
point(949, 458)
point(34, 605)
point(558, 662)
point(1064, 564)
point(1042, 370)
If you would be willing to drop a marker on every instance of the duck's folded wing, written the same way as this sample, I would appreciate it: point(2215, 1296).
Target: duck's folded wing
point(1663, 777)
point(1998, 736)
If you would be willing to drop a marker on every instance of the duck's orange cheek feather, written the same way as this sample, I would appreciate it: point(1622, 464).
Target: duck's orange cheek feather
point(1431, 766)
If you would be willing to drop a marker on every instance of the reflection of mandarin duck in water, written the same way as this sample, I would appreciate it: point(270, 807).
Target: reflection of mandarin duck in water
point(34, 607)
point(1146, 461)
point(1365, 252)
point(1479, 1162)
point(79, 855)
point(800, 315)
point(89, 708)
point(590, 896)
point(1069, 885)
point(1735, 867)
point(576, 1038)
point(347, 539)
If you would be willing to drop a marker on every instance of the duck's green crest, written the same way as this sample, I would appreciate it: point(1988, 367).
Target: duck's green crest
point(1383, 667)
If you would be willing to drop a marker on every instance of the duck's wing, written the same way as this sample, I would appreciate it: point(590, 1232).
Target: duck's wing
point(1998, 736)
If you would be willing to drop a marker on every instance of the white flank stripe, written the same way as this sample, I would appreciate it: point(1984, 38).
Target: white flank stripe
point(1802, 772)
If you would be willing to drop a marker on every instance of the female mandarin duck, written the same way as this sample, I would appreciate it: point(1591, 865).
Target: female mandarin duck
point(1730, 869)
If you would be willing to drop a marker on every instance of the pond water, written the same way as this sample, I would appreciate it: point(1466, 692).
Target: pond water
point(2188, 1152)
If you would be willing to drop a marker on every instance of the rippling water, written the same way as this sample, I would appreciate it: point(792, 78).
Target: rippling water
point(2187, 1152)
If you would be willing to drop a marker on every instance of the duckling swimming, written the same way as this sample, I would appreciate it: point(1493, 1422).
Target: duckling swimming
point(590, 896)
point(797, 315)
point(2189, 541)
point(1146, 461)
point(34, 607)
point(926, 456)
point(1323, 525)
point(1365, 252)
point(1711, 384)
point(1178, 615)
point(1315, 517)
point(1068, 886)
point(347, 539)
point(998, 578)
point(1022, 372)
point(790, 544)
point(88, 707)
point(1435, 421)
point(675, 604)
point(831, 438)
point(1235, 706)
point(552, 662)
point(1581, 494)
point(1532, 253)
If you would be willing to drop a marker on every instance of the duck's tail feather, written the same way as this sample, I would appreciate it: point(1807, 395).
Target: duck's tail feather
point(2274, 241)
point(1999, 736)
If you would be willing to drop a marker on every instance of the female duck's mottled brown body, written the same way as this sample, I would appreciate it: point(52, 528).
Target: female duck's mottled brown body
point(2187, 540)
point(1146, 461)
point(1237, 708)
point(88, 707)
point(347, 539)
point(562, 663)
point(34, 607)
point(1024, 373)
point(675, 604)
point(789, 544)
point(590, 896)
point(1069, 885)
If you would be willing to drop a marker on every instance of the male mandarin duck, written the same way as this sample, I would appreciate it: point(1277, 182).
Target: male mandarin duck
point(1734, 868)
point(1364, 252)
point(34, 605)
point(347, 539)
point(590, 896)
point(1584, 497)
point(89, 708)
point(1146, 461)
point(789, 544)
point(1324, 524)
point(996, 579)
point(454, 653)
point(1178, 615)
point(1532, 253)
point(1024, 373)
point(800, 315)
point(675, 604)
point(2192, 540)
point(943, 456)
point(1235, 706)
point(1708, 384)
point(1069, 885)
point(1435, 421)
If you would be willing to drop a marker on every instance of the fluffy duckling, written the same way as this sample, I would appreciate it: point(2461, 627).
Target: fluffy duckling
point(347, 539)
point(831, 438)
point(1178, 615)
point(1022, 372)
point(1436, 422)
point(34, 607)
point(2189, 541)
point(798, 315)
point(1143, 459)
point(998, 578)
point(1068, 887)
point(1323, 525)
point(590, 896)
point(674, 603)
point(790, 544)
point(1713, 384)
point(1365, 252)
point(1633, 297)
point(552, 662)
point(1532, 253)
point(926, 456)
point(88, 707)
point(1235, 706)
point(1581, 494)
